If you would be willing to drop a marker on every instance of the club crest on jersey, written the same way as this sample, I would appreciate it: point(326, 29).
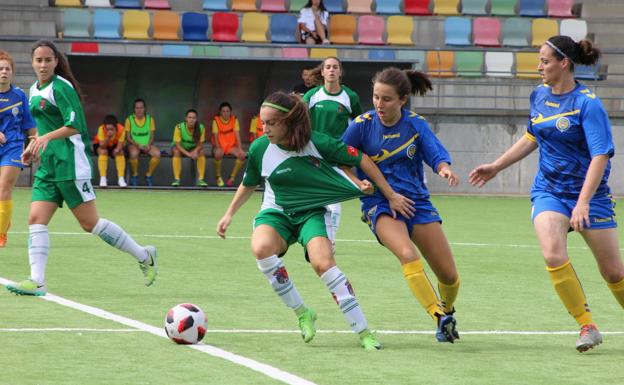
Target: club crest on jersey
point(411, 150)
point(563, 124)
point(42, 104)
point(352, 151)
point(314, 161)
point(15, 111)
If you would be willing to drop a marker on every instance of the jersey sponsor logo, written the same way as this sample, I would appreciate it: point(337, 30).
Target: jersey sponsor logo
point(540, 118)
point(352, 151)
point(602, 220)
point(72, 116)
point(563, 124)
point(391, 136)
point(4, 100)
point(283, 171)
point(385, 154)
point(552, 104)
point(411, 150)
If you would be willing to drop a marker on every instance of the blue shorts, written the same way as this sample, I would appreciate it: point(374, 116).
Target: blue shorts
point(601, 208)
point(11, 154)
point(373, 208)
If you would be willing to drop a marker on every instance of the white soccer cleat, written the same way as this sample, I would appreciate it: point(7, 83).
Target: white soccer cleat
point(103, 181)
point(122, 182)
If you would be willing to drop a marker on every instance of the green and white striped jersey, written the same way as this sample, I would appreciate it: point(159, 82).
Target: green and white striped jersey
point(330, 113)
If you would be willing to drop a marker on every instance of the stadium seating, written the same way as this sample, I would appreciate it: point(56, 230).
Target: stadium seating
point(334, 6)
point(244, 5)
point(296, 5)
point(457, 31)
point(216, 5)
point(322, 53)
point(388, 7)
point(76, 22)
point(503, 7)
point(157, 4)
point(440, 63)
point(415, 57)
point(498, 64)
point(526, 65)
point(225, 27)
point(445, 7)
point(575, 28)
point(417, 7)
point(342, 29)
point(469, 63)
point(166, 25)
point(255, 26)
point(560, 8)
point(106, 24)
point(371, 29)
point(98, 3)
point(474, 7)
point(136, 25)
point(588, 72)
point(176, 50)
point(68, 3)
point(295, 52)
point(487, 31)
point(273, 6)
point(194, 26)
point(359, 6)
point(134, 4)
point(542, 29)
point(381, 54)
point(516, 31)
point(284, 28)
point(84, 47)
point(533, 8)
point(400, 30)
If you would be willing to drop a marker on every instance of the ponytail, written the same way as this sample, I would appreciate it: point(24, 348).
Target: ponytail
point(62, 68)
point(404, 82)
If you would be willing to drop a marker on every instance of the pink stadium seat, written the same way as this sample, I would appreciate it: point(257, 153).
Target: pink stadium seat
point(560, 8)
point(370, 30)
point(273, 6)
point(486, 31)
point(225, 27)
point(295, 53)
point(157, 4)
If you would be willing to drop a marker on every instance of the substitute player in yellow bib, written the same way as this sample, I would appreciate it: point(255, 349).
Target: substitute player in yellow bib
point(140, 129)
point(188, 140)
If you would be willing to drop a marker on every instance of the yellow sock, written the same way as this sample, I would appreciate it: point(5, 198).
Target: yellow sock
point(201, 167)
point(103, 164)
point(176, 164)
point(120, 164)
point(448, 294)
point(237, 167)
point(217, 166)
point(6, 211)
point(134, 166)
point(421, 287)
point(618, 291)
point(152, 165)
point(568, 287)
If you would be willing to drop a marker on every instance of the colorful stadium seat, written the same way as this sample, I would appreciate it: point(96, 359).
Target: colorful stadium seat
point(136, 24)
point(322, 53)
point(469, 63)
point(296, 5)
point(417, 7)
point(98, 3)
point(244, 5)
point(388, 7)
point(533, 8)
point(273, 6)
point(498, 64)
point(334, 6)
point(415, 57)
point(526, 65)
point(359, 6)
point(542, 29)
point(400, 30)
point(516, 31)
point(194, 26)
point(371, 29)
point(575, 28)
point(560, 8)
point(295, 52)
point(588, 72)
point(284, 28)
point(487, 31)
point(176, 50)
point(166, 25)
point(474, 7)
point(457, 31)
point(134, 4)
point(503, 7)
point(157, 4)
point(255, 27)
point(445, 7)
point(440, 64)
point(68, 3)
point(106, 24)
point(225, 27)
point(381, 54)
point(216, 5)
point(342, 29)
point(76, 22)
point(84, 47)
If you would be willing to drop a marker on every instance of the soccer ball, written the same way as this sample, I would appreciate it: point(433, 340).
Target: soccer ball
point(186, 324)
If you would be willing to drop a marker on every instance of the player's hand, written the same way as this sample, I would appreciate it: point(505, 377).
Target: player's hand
point(580, 217)
point(2, 138)
point(482, 174)
point(28, 156)
point(39, 144)
point(447, 173)
point(366, 187)
point(223, 224)
point(402, 205)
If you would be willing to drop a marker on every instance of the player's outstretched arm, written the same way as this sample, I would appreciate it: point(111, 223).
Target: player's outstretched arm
point(243, 193)
point(483, 173)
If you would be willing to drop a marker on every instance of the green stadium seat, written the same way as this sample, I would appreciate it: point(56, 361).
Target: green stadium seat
point(469, 63)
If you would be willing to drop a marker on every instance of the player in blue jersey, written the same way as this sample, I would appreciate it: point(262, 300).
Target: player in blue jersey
point(571, 128)
point(16, 123)
point(399, 141)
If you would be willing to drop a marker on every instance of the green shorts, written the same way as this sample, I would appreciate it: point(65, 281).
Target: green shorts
point(299, 227)
point(74, 192)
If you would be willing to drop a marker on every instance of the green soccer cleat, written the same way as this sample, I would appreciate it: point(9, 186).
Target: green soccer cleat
point(220, 182)
point(368, 340)
point(201, 183)
point(28, 287)
point(149, 267)
point(589, 337)
point(306, 324)
point(176, 183)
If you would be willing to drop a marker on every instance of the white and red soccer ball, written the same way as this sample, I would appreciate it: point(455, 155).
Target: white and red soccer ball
point(186, 324)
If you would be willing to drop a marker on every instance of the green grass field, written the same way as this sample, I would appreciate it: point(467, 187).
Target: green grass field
point(505, 288)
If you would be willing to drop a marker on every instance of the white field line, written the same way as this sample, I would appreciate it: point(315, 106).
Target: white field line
point(265, 369)
point(65, 330)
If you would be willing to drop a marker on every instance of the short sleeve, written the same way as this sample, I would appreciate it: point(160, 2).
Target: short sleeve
point(101, 136)
point(236, 125)
point(152, 124)
point(69, 105)
point(122, 137)
point(127, 125)
point(252, 176)
point(336, 151)
point(352, 135)
point(177, 135)
point(215, 128)
point(433, 151)
point(27, 119)
point(597, 128)
point(202, 136)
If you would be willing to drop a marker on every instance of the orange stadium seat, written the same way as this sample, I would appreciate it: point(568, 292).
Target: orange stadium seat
point(244, 5)
point(341, 29)
point(166, 25)
point(255, 27)
point(136, 24)
point(440, 64)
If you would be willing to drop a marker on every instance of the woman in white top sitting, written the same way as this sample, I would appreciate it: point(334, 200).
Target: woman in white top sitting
point(313, 19)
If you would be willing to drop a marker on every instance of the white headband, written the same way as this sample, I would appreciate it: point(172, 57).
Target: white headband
point(560, 52)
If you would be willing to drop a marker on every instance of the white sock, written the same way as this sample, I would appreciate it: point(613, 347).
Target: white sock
point(118, 238)
point(275, 271)
point(343, 294)
point(38, 250)
point(335, 211)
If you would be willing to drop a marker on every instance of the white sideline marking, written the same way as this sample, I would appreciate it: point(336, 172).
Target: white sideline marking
point(265, 369)
point(78, 330)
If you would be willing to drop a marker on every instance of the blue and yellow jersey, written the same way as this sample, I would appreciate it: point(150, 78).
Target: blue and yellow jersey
point(570, 129)
point(399, 151)
point(15, 117)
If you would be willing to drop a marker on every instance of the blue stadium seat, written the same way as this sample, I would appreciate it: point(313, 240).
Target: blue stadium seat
point(76, 22)
point(216, 5)
point(176, 50)
point(135, 4)
point(334, 6)
point(194, 26)
point(457, 31)
point(389, 7)
point(588, 72)
point(106, 24)
point(533, 8)
point(382, 54)
point(283, 28)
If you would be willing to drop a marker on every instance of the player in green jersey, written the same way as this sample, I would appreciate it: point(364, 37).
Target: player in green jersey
point(64, 174)
point(297, 166)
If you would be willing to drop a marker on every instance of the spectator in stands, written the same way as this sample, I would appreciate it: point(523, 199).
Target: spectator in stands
point(332, 105)
point(16, 124)
point(571, 128)
point(109, 141)
point(226, 140)
point(399, 141)
point(64, 173)
point(286, 151)
point(256, 128)
point(307, 75)
point(313, 21)
point(140, 128)
point(188, 140)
